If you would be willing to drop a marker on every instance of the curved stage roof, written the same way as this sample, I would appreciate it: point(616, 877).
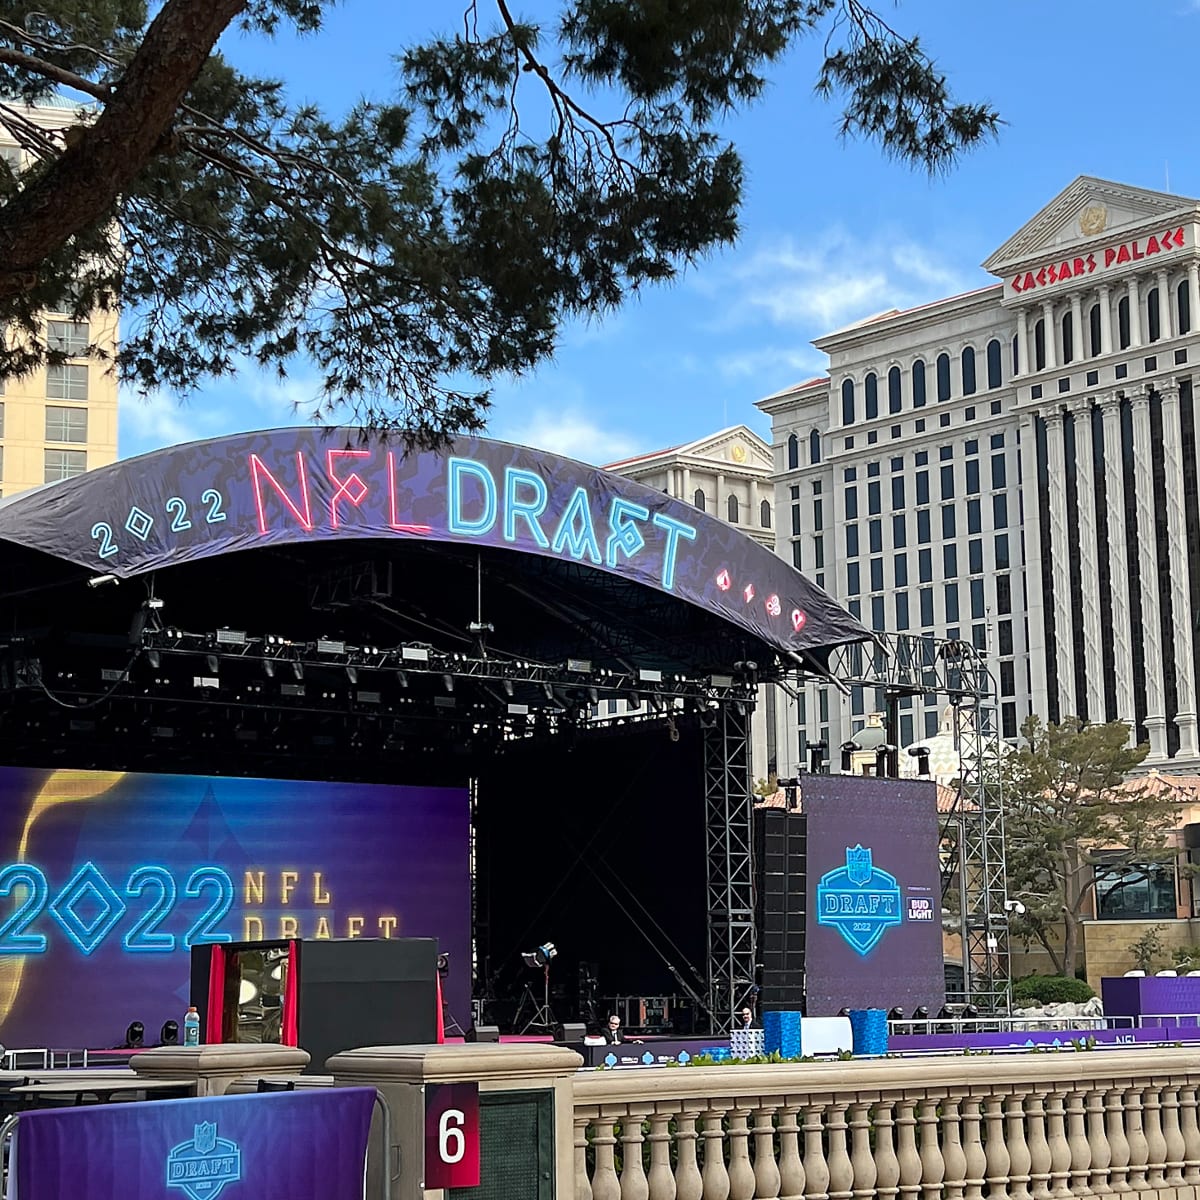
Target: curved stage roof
point(318, 533)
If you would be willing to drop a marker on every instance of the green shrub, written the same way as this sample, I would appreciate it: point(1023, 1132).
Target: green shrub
point(1050, 989)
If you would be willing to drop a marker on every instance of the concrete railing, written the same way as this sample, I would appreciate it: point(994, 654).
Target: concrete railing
point(1026, 1127)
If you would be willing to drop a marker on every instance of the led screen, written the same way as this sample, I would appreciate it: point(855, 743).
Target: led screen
point(109, 878)
point(874, 923)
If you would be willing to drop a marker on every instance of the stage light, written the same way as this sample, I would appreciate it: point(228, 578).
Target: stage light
point(843, 1012)
point(231, 637)
point(402, 678)
point(920, 1013)
point(212, 663)
point(154, 659)
point(269, 668)
point(325, 646)
point(921, 754)
point(648, 676)
point(298, 670)
point(593, 695)
point(971, 1011)
point(541, 957)
point(848, 750)
point(100, 580)
point(443, 964)
point(169, 1034)
point(352, 674)
point(414, 653)
point(369, 697)
point(895, 1014)
point(581, 666)
point(507, 684)
point(747, 668)
point(518, 710)
point(135, 1036)
point(720, 681)
point(448, 682)
point(111, 675)
point(205, 681)
point(549, 691)
point(634, 702)
point(295, 690)
point(882, 757)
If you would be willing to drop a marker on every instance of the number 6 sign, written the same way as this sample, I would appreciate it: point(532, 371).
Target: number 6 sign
point(451, 1135)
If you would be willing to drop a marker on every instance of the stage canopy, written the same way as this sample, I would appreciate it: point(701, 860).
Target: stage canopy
point(557, 557)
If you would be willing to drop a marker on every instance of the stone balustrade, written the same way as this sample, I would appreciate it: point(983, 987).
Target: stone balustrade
point(1015, 1127)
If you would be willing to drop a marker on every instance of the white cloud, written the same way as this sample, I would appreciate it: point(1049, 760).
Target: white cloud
point(156, 420)
point(769, 360)
point(571, 433)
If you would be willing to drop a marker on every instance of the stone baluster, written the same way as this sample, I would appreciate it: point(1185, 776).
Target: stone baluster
point(1173, 1135)
point(887, 1165)
point(954, 1159)
point(841, 1170)
point(791, 1168)
point(906, 1149)
point(1039, 1148)
point(715, 1176)
point(767, 1179)
point(861, 1159)
point(1156, 1143)
point(1081, 1152)
point(995, 1149)
point(1060, 1148)
point(689, 1184)
point(741, 1173)
point(976, 1166)
point(1118, 1143)
point(1188, 1119)
point(634, 1185)
point(583, 1185)
point(816, 1169)
point(1020, 1160)
point(661, 1179)
point(605, 1184)
point(1139, 1150)
point(933, 1168)
point(1098, 1143)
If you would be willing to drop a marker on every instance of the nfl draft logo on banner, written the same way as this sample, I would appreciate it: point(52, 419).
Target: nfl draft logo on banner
point(859, 900)
point(202, 1167)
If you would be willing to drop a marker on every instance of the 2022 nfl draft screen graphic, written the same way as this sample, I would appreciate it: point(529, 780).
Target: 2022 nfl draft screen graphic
point(874, 925)
point(108, 879)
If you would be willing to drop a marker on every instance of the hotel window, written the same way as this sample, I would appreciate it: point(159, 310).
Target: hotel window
point(66, 424)
point(793, 452)
point(797, 527)
point(994, 374)
point(67, 383)
point(698, 499)
point(948, 483)
point(819, 553)
point(731, 507)
point(976, 599)
point(1005, 637)
point(1068, 338)
point(1000, 511)
point(899, 531)
point(925, 566)
point(975, 556)
point(871, 391)
point(1094, 328)
point(951, 601)
point(847, 401)
point(974, 516)
point(1123, 337)
point(851, 503)
point(1004, 593)
point(878, 621)
point(897, 492)
point(1153, 317)
point(877, 574)
point(1016, 355)
point(900, 569)
point(796, 557)
point(1039, 345)
point(1009, 718)
point(923, 525)
point(922, 487)
point(947, 520)
point(851, 541)
point(764, 514)
point(943, 377)
point(64, 464)
point(1, 420)
point(71, 337)
point(1125, 889)
point(875, 536)
point(1002, 560)
point(901, 610)
point(972, 476)
point(818, 514)
point(895, 398)
point(926, 598)
point(814, 447)
point(949, 561)
point(874, 500)
point(1, 462)
point(853, 586)
point(999, 472)
point(1183, 306)
point(918, 383)
point(968, 371)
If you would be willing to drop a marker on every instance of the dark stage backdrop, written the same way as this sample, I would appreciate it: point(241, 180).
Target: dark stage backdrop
point(600, 849)
point(107, 879)
point(874, 927)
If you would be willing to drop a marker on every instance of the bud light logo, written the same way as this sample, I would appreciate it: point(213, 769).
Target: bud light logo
point(202, 1167)
point(859, 900)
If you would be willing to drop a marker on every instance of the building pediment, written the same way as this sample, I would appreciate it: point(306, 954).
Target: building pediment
point(740, 447)
point(1088, 215)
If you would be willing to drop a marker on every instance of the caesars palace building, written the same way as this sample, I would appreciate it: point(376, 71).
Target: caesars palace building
point(1017, 466)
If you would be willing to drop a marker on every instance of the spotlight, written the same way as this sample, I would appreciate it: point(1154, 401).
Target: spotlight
point(154, 659)
point(210, 661)
point(848, 749)
point(508, 686)
point(920, 1013)
point(593, 696)
point(843, 1012)
point(135, 1036)
point(971, 1011)
point(921, 754)
point(448, 681)
point(269, 668)
point(169, 1034)
point(648, 676)
point(352, 674)
point(100, 580)
point(581, 666)
point(540, 958)
point(816, 756)
point(298, 670)
point(231, 637)
point(549, 691)
point(443, 965)
point(402, 678)
point(896, 1014)
point(326, 646)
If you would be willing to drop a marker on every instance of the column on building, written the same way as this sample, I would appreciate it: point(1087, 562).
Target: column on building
point(1181, 600)
point(1078, 333)
point(719, 502)
point(1035, 586)
point(1193, 271)
point(1151, 628)
point(1060, 557)
point(1049, 340)
point(1118, 566)
point(1166, 321)
point(687, 485)
point(1089, 558)
point(1023, 341)
point(1106, 338)
point(1135, 313)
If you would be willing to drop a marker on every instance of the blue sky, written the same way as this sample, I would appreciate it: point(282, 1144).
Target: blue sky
point(832, 231)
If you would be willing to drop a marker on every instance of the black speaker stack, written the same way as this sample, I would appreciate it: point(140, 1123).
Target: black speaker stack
point(780, 855)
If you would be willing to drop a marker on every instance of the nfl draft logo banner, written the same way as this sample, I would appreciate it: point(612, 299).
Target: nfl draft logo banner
point(309, 1145)
point(874, 930)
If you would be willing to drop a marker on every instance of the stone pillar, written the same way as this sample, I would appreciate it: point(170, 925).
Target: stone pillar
point(687, 484)
point(1089, 558)
point(1166, 323)
point(1193, 295)
point(1078, 333)
point(719, 502)
point(401, 1073)
point(1143, 472)
point(1037, 587)
point(1060, 557)
point(1106, 341)
point(215, 1068)
point(1049, 340)
point(1181, 599)
point(1135, 313)
point(1022, 341)
point(1118, 567)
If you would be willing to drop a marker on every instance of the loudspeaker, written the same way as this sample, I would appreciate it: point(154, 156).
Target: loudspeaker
point(780, 861)
point(483, 1033)
point(571, 1034)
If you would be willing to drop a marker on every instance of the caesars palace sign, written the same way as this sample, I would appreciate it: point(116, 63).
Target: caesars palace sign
point(1080, 266)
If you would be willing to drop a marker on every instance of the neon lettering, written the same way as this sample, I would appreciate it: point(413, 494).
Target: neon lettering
point(674, 530)
point(529, 509)
point(393, 503)
point(461, 468)
point(352, 487)
point(575, 533)
point(302, 512)
point(625, 537)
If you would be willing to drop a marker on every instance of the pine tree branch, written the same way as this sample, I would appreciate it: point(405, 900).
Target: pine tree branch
point(49, 70)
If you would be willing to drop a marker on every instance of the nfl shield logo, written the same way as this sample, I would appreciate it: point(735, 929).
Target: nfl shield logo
point(204, 1167)
point(859, 866)
point(205, 1138)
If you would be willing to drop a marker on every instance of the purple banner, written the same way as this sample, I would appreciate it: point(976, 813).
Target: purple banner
point(1026, 1039)
point(1152, 996)
point(291, 486)
point(873, 929)
point(108, 879)
point(305, 1145)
